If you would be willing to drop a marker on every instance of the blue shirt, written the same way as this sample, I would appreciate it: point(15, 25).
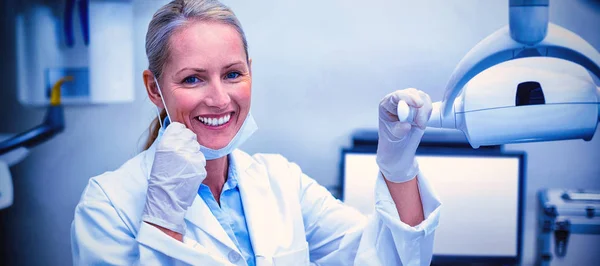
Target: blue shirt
point(231, 213)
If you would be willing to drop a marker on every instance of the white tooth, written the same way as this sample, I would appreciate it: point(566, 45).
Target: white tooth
point(221, 121)
point(210, 121)
point(214, 121)
point(227, 118)
point(201, 119)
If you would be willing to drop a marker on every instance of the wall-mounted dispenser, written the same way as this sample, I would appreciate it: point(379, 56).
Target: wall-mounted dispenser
point(88, 40)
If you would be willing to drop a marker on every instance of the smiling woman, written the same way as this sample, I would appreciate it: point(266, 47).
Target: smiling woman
point(171, 20)
point(192, 197)
point(206, 79)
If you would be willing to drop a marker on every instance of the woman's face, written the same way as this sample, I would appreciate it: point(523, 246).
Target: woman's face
point(206, 82)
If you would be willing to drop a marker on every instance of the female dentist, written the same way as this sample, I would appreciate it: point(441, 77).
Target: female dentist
point(192, 198)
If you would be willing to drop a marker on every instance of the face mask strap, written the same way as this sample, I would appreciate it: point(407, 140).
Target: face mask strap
point(163, 101)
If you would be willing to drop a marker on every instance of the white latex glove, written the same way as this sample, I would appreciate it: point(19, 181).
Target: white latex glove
point(398, 141)
point(177, 172)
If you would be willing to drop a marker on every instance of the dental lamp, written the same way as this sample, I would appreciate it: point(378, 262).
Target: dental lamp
point(529, 81)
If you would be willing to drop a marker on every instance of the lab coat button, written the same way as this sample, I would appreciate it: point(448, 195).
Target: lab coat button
point(233, 256)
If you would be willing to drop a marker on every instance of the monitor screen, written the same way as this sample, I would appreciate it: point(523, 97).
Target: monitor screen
point(480, 197)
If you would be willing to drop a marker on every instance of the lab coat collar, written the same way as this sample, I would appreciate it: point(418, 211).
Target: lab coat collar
point(149, 159)
point(260, 210)
point(260, 206)
point(200, 215)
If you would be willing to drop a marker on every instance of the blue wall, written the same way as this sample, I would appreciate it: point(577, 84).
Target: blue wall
point(320, 69)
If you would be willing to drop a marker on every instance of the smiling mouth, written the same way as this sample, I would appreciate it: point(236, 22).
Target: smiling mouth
point(215, 121)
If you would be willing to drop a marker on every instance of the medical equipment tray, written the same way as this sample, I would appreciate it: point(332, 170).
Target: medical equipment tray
point(568, 230)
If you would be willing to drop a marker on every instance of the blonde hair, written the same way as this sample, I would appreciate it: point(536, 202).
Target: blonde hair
point(167, 20)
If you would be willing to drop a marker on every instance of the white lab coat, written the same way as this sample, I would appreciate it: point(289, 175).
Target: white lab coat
point(291, 220)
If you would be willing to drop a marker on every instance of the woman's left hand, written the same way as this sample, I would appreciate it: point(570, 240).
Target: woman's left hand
point(398, 141)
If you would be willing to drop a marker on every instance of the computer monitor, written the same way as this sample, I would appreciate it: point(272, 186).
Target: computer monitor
point(481, 194)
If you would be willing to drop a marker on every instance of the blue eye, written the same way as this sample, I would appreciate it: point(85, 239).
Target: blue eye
point(191, 80)
point(232, 75)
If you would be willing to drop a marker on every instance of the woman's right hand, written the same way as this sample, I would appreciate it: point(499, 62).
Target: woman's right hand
point(177, 172)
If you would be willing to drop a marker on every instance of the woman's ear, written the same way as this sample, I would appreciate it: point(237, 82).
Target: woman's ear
point(152, 88)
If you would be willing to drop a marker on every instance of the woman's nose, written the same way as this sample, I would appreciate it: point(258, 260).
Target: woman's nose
point(216, 96)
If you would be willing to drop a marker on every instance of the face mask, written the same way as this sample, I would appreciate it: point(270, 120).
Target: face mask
point(248, 128)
